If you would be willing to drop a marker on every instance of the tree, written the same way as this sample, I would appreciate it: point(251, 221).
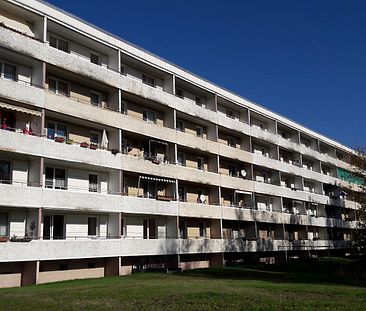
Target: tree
point(358, 162)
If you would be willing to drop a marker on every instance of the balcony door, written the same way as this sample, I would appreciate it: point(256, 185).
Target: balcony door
point(53, 227)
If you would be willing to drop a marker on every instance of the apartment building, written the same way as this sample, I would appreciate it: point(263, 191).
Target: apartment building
point(113, 159)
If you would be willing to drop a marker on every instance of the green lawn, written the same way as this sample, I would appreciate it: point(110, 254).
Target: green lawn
point(335, 284)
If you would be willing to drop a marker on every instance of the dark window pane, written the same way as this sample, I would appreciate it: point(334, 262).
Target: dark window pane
point(10, 72)
point(5, 176)
point(92, 226)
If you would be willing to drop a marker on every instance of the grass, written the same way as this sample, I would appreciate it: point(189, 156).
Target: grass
point(330, 284)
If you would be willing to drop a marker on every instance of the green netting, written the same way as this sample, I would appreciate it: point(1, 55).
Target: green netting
point(347, 176)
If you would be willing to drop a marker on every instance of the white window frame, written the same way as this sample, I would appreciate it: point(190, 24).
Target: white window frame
point(54, 179)
point(59, 38)
point(56, 124)
point(202, 160)
point(183, 129)
point(229, 138)
point(147, 112)
point(99, 63)
point(57, 86)
point(230, 113)
point(183, 159)
point(145, 77)
point(99, 94)
point(4, 62)
point(98, 182)
point(201, 129)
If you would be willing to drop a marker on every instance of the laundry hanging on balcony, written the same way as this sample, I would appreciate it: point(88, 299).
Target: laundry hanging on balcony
point(104, 143)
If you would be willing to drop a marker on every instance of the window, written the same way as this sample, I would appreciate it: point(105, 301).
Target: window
point(59, 44)
point(92, 226)
point(181, 194)
point(149, 116)
point(95, 99)
point(233, 170)
point(182, 229)
point(56, 130)
point(230, 114)
point(200, 164)
point(122, 227)
point(94, 138)
point(148, 80)
point(55, 178)
point(57, 86)
point(199, 131)
point(93, 183)
point(181, 159)
point(5, 172)
point(94, 58)
point(10, 72)
point(202, 229)
point(231, 141)
point(180, 126)
point(197, 99)
point(122, 70)
point(179, 92)
point(4, 228)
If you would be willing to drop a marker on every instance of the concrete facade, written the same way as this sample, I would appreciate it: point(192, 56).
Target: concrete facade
point(113, 160)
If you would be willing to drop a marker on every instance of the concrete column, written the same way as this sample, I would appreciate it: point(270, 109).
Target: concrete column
point(30, 273)
point(120, 182)
point(172, 261)
point(215, 102)
point(39, 225)
point(41, 170)
point(43, 121)
point(44, 28)
point(217, 260)
point(112, 266)
point(119, 100)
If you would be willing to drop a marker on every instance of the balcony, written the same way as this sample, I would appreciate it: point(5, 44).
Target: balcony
point(22, 92)
point(43, 147)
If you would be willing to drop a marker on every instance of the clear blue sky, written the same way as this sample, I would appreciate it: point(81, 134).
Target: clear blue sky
point(303, 59)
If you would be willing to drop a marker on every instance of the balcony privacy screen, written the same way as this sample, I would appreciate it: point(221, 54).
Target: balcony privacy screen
point(347, 176)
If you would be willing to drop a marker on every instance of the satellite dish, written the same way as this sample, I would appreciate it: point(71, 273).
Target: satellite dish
point(202, 198)
point(243, 173)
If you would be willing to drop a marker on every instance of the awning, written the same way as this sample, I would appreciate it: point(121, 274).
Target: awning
point(243, 192)
point(20, 109)
point(158, 179)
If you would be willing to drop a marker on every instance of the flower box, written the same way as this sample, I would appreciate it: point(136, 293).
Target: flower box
point(93, 146)
point(59, 139)
point(4, 239)
point(84, 145)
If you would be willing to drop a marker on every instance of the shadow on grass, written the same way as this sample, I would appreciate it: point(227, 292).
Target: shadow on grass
point(325, 271)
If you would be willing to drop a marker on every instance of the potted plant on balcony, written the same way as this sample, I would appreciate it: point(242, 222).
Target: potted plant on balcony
point(114, 151)
point(4, 239)
point(93, 146)
point(84, 145)
point(69, 141)
point(59, 139)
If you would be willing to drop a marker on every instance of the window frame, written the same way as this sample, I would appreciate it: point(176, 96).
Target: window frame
point(58, 38)
point(54, 168)
point(96, 229)
point(57, 89)
point(145, 79)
